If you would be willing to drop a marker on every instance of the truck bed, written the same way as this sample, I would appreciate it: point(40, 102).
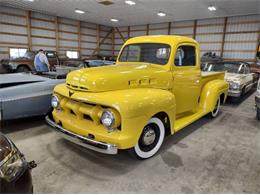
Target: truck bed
point(208, 76)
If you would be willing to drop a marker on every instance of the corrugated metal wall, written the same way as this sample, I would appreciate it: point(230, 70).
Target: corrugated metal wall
point(24, 29)
point(235, 38)
point(232, 37)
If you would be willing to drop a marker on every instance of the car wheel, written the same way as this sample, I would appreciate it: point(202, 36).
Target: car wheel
point(23, 69)
point(150, 140)
point(258, 114)
point(216, 110)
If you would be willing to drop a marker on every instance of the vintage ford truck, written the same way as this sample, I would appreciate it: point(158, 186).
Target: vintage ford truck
point(155, 89)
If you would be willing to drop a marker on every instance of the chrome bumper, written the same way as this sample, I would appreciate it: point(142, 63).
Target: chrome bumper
point(101, 147)
point(233, 93)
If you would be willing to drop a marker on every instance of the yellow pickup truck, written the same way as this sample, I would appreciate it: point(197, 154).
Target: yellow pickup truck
point(155, 89)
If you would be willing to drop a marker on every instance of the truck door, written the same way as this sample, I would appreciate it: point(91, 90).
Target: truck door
point(187, 78)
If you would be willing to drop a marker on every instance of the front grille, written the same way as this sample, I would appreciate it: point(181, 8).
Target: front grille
point(76, 87)
point(81, 110)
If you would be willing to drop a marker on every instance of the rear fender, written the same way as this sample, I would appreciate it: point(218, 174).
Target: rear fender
point(211, 92)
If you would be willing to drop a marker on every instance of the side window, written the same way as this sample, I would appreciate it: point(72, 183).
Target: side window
point(50, 54)
point(241, 69)
point(17, 52)
point(185, 56)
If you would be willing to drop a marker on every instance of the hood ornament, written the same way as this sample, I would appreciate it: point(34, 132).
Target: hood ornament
point(71, 93)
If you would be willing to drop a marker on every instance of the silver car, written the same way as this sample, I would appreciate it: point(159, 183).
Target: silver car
point(25, 94)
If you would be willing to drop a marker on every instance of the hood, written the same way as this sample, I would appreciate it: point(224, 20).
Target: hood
point(5, 147)
point(118, 77)
point(233, 77)
point(20, 78)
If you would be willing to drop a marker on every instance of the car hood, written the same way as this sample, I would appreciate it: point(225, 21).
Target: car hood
point(117, 77)
point(234, 77)
point(17, 78)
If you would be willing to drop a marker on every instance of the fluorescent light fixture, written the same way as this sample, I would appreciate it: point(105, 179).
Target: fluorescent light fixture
point(114, 20)
point(212, 8)
point(78, 11)
point(30, 0)
point(130, 2)
point(161, 14)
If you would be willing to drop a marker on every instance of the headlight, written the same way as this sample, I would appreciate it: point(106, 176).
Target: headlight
point(12, 162)
point(13, 167)
point(234, 86)
point(55, 102)
point(108, 119)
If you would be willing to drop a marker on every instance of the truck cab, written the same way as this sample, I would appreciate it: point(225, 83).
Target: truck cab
point(155, 89)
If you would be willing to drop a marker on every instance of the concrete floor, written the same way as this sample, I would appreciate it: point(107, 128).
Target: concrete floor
point(209, 156)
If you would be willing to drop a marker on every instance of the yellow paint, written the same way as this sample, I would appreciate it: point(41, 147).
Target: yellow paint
point(136, 92)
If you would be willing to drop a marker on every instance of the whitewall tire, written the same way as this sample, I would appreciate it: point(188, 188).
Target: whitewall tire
point(150, 140)
point(216, 110)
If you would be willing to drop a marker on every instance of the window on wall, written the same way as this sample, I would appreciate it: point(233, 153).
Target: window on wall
point(17, 52)
point(185, 56)
point(72, 54)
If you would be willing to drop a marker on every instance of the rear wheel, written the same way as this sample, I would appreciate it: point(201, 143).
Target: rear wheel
point(258, 114)
point(216, 110)
point(23, 69)
point(150, 140)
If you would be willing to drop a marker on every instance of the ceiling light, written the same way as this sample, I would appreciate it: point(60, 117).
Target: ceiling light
point(114, 20)
point(30, 0)
point(161, 14)
point(130, 2)
point(212, 8)
point(78, 11)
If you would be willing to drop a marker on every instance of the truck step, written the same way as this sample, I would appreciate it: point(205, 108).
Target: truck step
point(187, 120)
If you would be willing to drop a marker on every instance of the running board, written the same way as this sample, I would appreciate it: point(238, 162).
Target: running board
point(187, 120)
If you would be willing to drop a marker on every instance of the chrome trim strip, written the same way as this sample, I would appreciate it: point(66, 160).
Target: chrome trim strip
point(234, 93)
point(97, 146)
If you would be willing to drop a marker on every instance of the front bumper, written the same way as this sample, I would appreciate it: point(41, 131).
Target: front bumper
point(234, 93)
point(86, 142)
point(257, 102)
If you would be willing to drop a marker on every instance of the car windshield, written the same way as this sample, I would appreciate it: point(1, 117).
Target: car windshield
point(154, 53)
point(219, 67)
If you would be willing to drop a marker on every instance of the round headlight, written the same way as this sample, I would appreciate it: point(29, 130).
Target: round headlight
point(108, 119)
point(234, 85)
point(55, 102)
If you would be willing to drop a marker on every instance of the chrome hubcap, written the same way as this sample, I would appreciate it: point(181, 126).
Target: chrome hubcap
point(149, 137)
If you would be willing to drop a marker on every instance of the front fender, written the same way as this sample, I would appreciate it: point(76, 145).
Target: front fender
point(211, 92)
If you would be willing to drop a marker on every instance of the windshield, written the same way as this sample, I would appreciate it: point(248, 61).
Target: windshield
point(154, 53)
point(227, 67)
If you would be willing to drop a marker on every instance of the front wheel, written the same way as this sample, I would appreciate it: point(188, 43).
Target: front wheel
point(258, 114)
point(150, 140)
point(216, 110)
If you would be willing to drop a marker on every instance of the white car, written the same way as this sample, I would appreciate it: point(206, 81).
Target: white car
point(257, 101)
point(237, 74)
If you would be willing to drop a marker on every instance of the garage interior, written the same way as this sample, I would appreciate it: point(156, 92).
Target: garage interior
point(209, 156)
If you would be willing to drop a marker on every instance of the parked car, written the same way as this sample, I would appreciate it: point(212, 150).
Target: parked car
point(210, 57)
point(15, 171)
point(25, 94)
point(257, 101)
point(133, 104)
point(237, 74)
point(96, 63)
point(26, 63)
